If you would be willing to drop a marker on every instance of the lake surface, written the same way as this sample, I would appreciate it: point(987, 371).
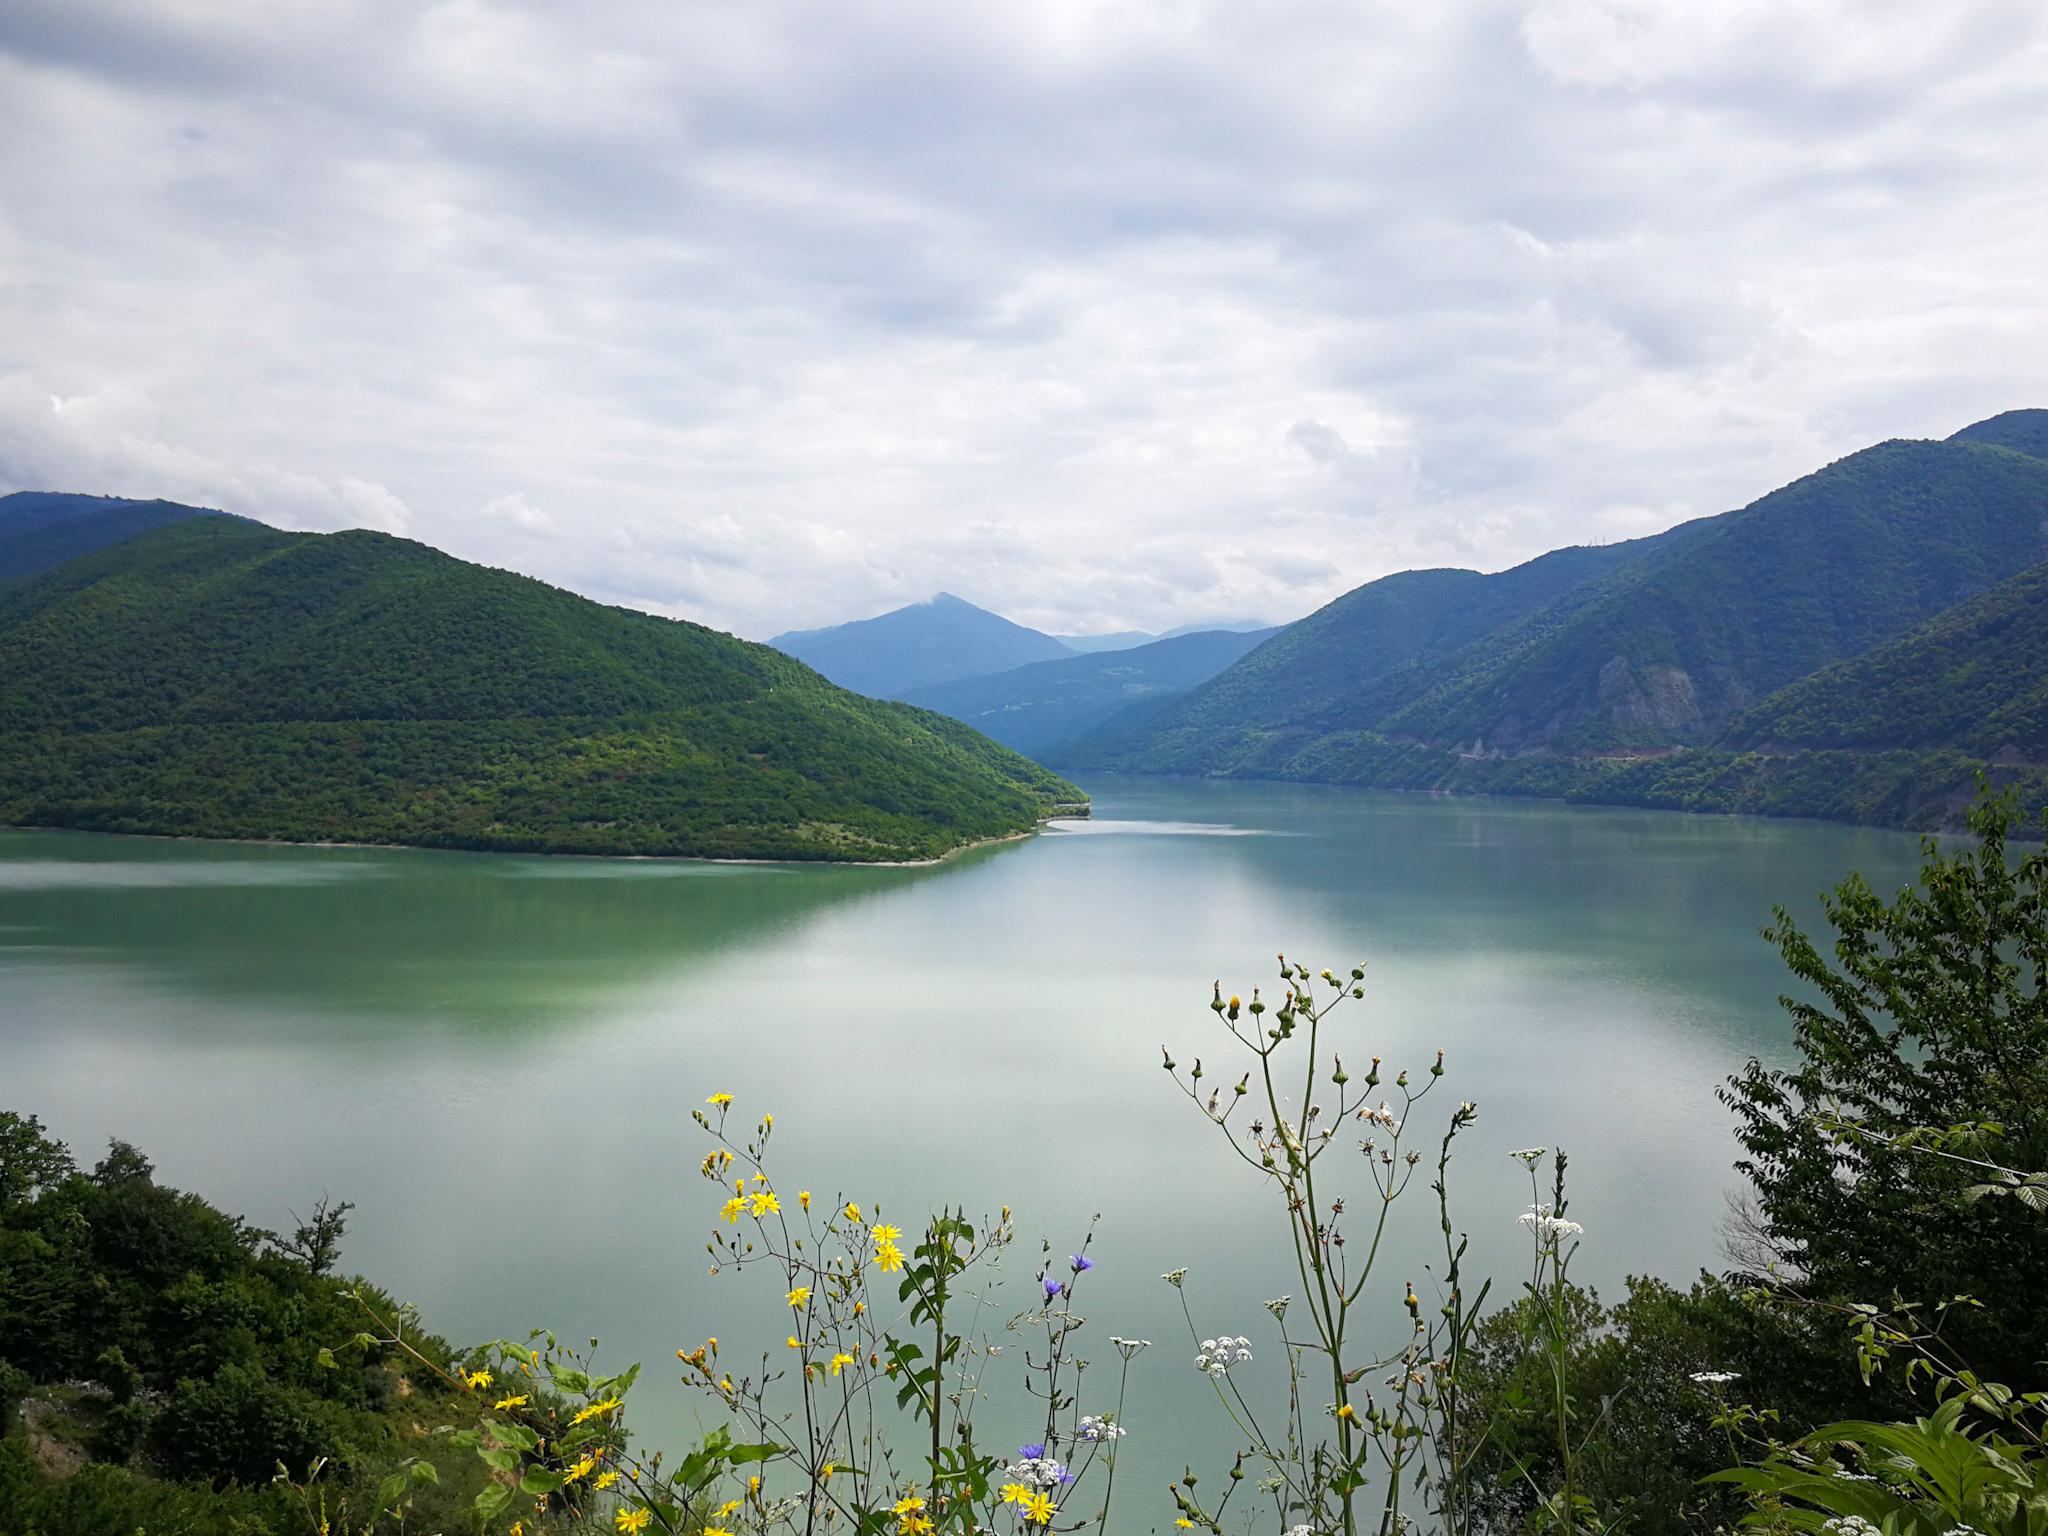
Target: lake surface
point(495, 1057)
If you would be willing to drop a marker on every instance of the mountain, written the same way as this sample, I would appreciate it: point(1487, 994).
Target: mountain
point(40, 530)
point(1130, 639)
point(1033, 708)
point(218, 678)
point(1659, 649)
point(931, 642)
point(2024, 431)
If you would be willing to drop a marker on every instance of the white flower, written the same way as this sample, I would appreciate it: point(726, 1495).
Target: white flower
point(1039, 1471)
point(1100, 1429)
point(1851, 1525)
point(1300, 1530)
point(1715, 1378)
point(1548, 1228)
point(1220, 1354)
point(1129, 1347)
point(1529, 1157)
point(1381, 1116)
point(1278, 1307)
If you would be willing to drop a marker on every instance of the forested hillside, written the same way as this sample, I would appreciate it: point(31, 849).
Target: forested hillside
point(40, 530)
point(219, 678)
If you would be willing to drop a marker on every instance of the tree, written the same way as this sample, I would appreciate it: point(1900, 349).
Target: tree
point(1932, 1014)
point(30, 1162)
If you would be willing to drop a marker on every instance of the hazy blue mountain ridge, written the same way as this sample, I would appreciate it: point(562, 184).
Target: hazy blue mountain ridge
point(1032, 708)
point(924, 643)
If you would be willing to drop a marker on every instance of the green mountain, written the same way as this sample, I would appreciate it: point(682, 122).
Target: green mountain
point(2024, 431)
point(40, 530)
point(931, 642)
point(1033, 707)
point(1658, 650)
point(218, 678)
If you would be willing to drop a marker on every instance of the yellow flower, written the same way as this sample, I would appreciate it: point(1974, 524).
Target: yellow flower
point(795, 1342)
point(765, 1202)
point(909, 1506)
point(803, 1198)
point(510, 1402)
point(1346, 1412)
point(720, 1099)
point(629, 1521)
point(799, 1296)
point(1185, 1524)
point(753, 1486)
point(477, 1379)
point(594, 1410)
point(582, 1468)
point(716, 1530)
point(825, 1472)
point(725, 1385)
point(726, 1509)
point(852, 1211)
point(887, 1234)
point(605, 1481)
point(730, 1211)
point(1036, 1508)
point(1015, 1493)
point(840, 1363)
point(914, 1525)
point(888, 1257)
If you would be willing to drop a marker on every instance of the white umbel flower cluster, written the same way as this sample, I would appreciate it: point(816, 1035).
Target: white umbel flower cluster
point(1850, 1525)
point(1039, 1472)
point(1546, 1226)
point(1716, 1378)
point(1099, 1430)
point(1219, 1355)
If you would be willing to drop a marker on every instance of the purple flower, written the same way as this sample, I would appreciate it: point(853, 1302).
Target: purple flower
point(1081, 1262)
point(1066, 1476)
point(1031, 1452)
point(1052, 1289)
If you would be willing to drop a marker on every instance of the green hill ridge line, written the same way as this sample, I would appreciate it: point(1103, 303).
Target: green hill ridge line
point(218, 678)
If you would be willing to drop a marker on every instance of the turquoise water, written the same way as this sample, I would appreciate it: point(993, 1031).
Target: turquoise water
point(495, 1057)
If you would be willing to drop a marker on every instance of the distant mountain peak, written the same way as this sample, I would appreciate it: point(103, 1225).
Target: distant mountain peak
point(2023, 431)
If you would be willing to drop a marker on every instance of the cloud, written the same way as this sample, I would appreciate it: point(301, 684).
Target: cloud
point(1105, 315)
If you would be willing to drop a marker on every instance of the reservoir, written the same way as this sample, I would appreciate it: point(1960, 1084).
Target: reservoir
point(496, 1057)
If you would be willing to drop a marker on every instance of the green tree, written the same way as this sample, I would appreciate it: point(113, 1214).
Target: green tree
point(1933, 1013)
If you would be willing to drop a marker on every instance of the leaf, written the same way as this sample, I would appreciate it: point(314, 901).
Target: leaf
point(424, 1472)
point(325, 1359)
point(504, 1461)
point(739, 1455)
point(539, 1480)
point(389, 1490)
point(492, 1500)
point(513, 1434)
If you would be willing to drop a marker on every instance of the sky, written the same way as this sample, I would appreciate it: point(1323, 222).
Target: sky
point(1104, 314)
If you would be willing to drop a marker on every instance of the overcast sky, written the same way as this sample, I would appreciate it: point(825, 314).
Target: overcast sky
point(1130, 314)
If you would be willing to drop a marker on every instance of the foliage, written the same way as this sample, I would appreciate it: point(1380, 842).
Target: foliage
point(1933, 1013)
point(1661, 646)
point(216, 678)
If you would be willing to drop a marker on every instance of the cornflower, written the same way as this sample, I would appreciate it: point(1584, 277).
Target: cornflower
point(799, 1296)
point(630, 1521)
point(1081, 1261)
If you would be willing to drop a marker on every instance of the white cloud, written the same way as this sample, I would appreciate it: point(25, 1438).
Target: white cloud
point(1106, 315)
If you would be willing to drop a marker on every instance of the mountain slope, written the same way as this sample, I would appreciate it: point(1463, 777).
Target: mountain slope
point(1035, 707)
point(219, 678)
point(40, 530)
point(2023, 431)
point(931, 642)
point(1659, 651)
point(1974, 679)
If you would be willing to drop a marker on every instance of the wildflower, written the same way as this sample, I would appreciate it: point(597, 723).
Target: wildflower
point(803, 1198)
point(1529, 1157)
point(504, 1403)
point(1219, 1355)
point(730, 1211)
point(1052, 1289)
point(594, 1410)
point(852, 1211)
point(1850, 1525)
point(799, 1296)
point(726, 1508)
point(825, 1472)
point(795, 1342)
point(1278, 1307)
point(1300, 1530)
point(1715, 1378)
point(1348, 1412)
point(1381, 1116)
point(840, 1362)
point(1548, 1228)
point(765, 1202)
point(888, 1257)
point(887, 1234)
point(476, 1379)
point(1038, 1470)
point(582, 1468)
point(716, 1530)
point(605, 1480)
point(909, 1506)
point(629, 1521)
point(719, 1099)
point(1081, 1262)
point(1173, 1277)
point(1129, 1347)
point(1100, 1430)
point(1185, 1523)
point(1037, 1509)
point(1015, 1493)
